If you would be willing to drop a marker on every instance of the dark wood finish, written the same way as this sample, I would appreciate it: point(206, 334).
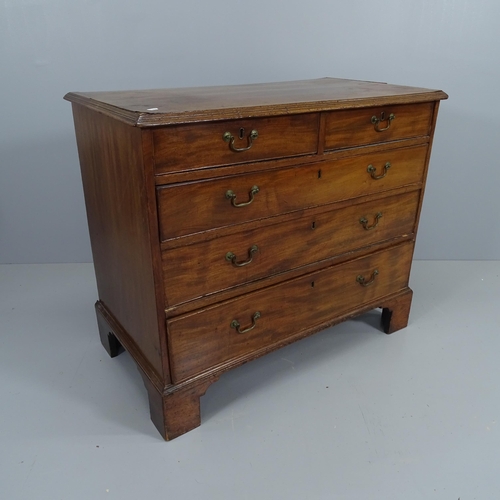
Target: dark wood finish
point(147, 108)
point(190, 239)
point(202, 145)
point(111, 160)
point(311, 238)
point(395, 312)
point(176, 411)
point(109, 325)
point(204, 339)
point(427, 160)
point(245, 168)
point(155, 172)
point(152, 215)
point(195, 207)
point(270, 280)
point(345, 129)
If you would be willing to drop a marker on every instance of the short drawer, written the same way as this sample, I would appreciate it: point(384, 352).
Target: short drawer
point(199, 206)
point(238, 327)
point(225, 262)
point(346, 129)
point(188, 147)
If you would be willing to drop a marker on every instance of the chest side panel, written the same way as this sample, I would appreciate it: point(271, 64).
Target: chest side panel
point(111, 160)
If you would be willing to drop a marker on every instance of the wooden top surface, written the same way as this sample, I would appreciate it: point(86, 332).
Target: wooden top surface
point(146, 108)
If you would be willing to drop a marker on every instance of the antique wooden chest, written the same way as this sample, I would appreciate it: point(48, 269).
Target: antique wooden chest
point(227, 222)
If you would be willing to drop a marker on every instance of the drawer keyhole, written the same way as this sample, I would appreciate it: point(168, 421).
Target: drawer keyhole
point(312, 284)
point(242, 133)
point(313, 225)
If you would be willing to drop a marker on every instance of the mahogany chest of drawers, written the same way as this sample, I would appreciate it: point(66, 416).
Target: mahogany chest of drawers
point(226, 222)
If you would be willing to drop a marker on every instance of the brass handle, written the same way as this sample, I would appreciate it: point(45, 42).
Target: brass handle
point(230, 195)
point(251, 252)
point(364, 222)
point(228, 137)
point(361, 279)
point(371, 170)
point(235, 324)
point(376, 121)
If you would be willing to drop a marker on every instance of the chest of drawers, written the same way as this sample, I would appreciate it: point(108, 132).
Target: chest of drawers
point(227, 222)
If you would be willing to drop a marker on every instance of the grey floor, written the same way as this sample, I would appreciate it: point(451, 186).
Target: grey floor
point(349, 413)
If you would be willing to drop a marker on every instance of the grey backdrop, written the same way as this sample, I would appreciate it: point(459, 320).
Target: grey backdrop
point(50, 47)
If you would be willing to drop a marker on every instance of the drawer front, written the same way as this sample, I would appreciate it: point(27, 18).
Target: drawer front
point(199, 206)
point(353, 128)
point(235, 259)
point(204, 339)
point(203, 145)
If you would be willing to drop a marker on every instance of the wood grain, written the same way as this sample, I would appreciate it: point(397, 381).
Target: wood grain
point(149, 108)
point(204, 339)
point(345, 129)
point(176, 411)
point(396, 312)
point(156, 171)
point(194, 207)
point(201, 145)
point(115, 196)
point(274, 164)
point(203, 268)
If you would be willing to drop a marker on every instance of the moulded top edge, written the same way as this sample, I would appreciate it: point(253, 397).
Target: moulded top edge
point(149, 108)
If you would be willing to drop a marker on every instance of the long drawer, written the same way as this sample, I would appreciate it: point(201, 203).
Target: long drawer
point(232, 329)
point(199, 206)
point(224, 262)
point(364, 126)
point(187, 147)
